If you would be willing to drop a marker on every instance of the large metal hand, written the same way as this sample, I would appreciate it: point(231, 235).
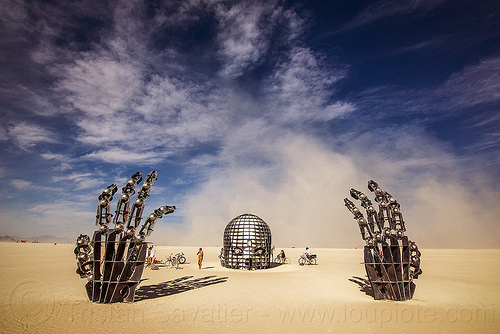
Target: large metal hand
point(115, 266)
point(391, 261)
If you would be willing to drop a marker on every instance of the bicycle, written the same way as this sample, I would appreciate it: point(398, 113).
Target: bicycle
point(278, 260)
point(304, 260)
point(172, 260)
point(181, 258)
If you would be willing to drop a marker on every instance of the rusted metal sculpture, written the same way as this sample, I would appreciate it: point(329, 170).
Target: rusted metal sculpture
point(114, 261)
point(247, 243)
point(391, 261)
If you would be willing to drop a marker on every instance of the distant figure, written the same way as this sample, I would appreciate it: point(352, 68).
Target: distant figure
point(151, 254)
point(282, 256)
point(308, 255)
point(221, 256)
point(200, 258)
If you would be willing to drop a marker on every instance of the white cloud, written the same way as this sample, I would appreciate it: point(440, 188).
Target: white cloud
point(21, 184)
point(387, 8)
point(182, 112)
point(475, 85)
point(203, 161)
point(165, 120)
point(73, 176)
point(454, 213)
point(242, 37)
point(247, 31)
point(298, 190)
point(3, 172)
point(27, 135)
point(54, 218)
point(432, 43)
point(3, 133)
point(65, 162)
point(14, 14)
point(79, 180)
point(126, 112)
point(131, 105)
point(99, 86)
point(301, 89)
point(297, 185)
point(118, 156)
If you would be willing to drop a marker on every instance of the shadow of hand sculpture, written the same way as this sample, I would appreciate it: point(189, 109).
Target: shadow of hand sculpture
point(175, 286)
point(364, 285)
point(391, 260)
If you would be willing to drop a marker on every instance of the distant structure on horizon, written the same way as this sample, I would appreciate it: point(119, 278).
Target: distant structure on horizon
point(247, 243)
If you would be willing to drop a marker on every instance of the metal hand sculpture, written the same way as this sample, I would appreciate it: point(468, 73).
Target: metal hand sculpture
point(391, 261)
point(115, 266)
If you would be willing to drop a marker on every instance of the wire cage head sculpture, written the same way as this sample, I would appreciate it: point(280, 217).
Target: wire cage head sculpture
point(247, 243)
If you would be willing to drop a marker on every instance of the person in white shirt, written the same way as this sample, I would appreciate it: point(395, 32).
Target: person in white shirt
point(151, 254)
point(308, 255)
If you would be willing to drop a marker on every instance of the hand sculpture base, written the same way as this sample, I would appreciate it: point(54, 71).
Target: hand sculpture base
point(389, 276)
point(116, 278)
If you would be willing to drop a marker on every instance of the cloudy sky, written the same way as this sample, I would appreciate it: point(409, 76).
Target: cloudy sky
point(275, 108)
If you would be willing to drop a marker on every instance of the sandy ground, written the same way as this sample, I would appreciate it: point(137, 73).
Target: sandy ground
point(457, 293)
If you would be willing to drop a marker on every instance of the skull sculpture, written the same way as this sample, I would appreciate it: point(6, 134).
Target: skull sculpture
point(247, 243)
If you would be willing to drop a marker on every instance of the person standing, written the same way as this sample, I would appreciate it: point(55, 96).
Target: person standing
point(151, 254)
point(200, 257)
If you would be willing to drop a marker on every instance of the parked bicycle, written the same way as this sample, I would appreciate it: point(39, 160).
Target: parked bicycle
point(304, 260)
point(181, 258)
point(175, 259)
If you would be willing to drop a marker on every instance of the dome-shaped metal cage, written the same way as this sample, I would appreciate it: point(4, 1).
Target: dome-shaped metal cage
point(247, 243)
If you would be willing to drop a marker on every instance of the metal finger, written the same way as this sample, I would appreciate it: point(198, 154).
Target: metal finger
point(148, 225)
point(363, 225)
point(103, 215)
point(123, 205)
point(138, 206)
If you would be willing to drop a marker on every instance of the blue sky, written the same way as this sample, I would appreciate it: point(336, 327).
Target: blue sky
point(275, 108)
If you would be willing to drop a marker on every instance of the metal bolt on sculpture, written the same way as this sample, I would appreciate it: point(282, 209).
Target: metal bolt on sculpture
point(391, 261)
point(247, 243)
point(115, 266)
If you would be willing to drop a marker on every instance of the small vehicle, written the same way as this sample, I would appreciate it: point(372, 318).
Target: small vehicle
point(171, 260)
point(277, 259)
point(175, 259)
point(181, 258)
point(304, 260)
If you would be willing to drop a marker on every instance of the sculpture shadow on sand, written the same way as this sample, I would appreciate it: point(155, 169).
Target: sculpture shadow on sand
point(175, 286)
point(364, 285)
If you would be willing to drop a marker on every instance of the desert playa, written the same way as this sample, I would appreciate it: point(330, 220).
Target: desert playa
point(457, 293)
